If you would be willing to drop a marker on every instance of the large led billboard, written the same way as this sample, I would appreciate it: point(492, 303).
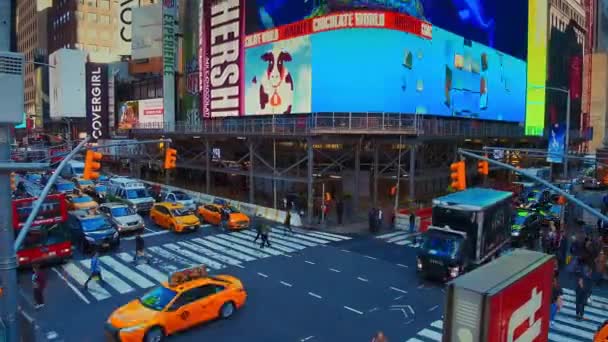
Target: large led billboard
point(537, 66)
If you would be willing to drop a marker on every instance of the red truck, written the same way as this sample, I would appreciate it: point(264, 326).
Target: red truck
point(507, 300)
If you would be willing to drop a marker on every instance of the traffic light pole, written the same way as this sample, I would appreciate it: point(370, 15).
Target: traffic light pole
point(539, 180)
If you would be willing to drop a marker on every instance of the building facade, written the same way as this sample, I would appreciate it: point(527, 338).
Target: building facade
point(561, 12)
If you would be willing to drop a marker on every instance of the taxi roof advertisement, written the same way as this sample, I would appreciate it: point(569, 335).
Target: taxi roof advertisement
point(459, 59)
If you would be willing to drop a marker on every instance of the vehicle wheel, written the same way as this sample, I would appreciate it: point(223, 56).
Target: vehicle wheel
point(227, 310)
point(155, 334)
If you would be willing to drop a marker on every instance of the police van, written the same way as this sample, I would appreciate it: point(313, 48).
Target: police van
point(74, 169)
point(131, 192)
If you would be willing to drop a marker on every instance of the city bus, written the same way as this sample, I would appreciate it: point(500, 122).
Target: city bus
point(48, 240)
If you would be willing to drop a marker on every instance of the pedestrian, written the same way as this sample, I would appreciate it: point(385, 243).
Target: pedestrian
point(225, 217)
point(139, 248)
point(265, 235)
point(287, 222)
point(379, 218)
point(340, 210)
point(95, 270)
point(412, 222)
point(581, 298)
point(38, 284)
point(257, 224)
point(380, 337)
point(556, 299)
point(372, 219)
point(600, 268)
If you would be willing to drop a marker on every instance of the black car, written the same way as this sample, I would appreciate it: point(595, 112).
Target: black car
point(526, 228)
point(92, 232)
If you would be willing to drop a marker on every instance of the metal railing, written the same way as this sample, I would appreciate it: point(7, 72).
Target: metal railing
point(343, 123)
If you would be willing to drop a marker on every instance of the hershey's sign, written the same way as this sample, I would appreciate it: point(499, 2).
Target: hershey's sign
point(97, 101)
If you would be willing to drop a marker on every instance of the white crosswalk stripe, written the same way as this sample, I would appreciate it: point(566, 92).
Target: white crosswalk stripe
point(565, 328)
point(121, 275)
point(388, 235)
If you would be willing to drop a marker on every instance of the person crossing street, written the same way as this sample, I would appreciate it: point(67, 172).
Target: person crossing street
point(257, 224)
point(139, 248)
point(95, 270)
point(287, 222)
point(265, 235)
point(38, 284)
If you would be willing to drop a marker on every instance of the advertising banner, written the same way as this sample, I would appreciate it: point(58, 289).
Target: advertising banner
point(169, 58)
point(128, 115)
point(147, 41)
point(150, 113)
point(97, 101)
point(124, 13)
point(67, 84)
point(190, 29)
point(555, 153)
point(222, 58)
point(538, 17)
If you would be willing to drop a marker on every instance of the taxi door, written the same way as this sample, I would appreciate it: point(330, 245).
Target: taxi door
point(186, 311)
point(164, 217)
point(214, 215)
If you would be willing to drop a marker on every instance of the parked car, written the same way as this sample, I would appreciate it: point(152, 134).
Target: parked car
point(123, 217)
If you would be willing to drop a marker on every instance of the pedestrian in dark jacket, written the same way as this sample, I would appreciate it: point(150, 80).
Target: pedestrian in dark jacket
point(581, 298)
point(139, 248)
point(287, 222)
point(340, 210)
point(372, 219)
point(257, 224)
point(265, 235)
point(225, 216)
point(412, 223)
point(38, 284)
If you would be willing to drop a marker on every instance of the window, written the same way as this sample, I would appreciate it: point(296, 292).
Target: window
point(92, 34)
point(104, 4)
point(79, 15)
point(104, 19)
point(92, 17)
point(104, 35)
point(92, 3)
point(104, 49)
point(193, 295)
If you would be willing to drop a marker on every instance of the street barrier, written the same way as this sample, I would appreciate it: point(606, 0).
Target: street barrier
point(249, 209)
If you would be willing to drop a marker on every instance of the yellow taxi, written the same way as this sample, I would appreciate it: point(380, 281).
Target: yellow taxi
point(80, 202)
point(189, 297)
point(83, 184)
point(174, 216)
point(212, 213)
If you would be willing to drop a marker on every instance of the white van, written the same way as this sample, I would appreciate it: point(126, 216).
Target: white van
point(73, 169)
point(131, 192)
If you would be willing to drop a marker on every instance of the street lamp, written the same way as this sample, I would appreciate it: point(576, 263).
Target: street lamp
point(567, 143)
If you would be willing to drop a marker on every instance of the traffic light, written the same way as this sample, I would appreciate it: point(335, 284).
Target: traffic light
point(170, 158)
point(458, 176)
point(13, 183)
point(483, 167)
point(92, 164)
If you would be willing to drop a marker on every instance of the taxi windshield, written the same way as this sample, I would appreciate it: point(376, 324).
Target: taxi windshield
point(122, 211)
point(85, 182)
point(82, 199)
point(158, 298)
point(181, 212)
point(136, 193)
point(64, 186)
point(231, 210)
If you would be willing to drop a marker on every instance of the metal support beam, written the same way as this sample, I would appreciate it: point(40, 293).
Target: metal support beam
point(309, 183)
point(338, 162)
point(357, 194)
point(376, 168)
point(251, 179)
point(412, 173)
point(207, 167)
point(394, 161)
point(296, 164)
point(8, 258)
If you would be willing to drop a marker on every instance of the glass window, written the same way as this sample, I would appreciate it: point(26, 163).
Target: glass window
point(92, 17)
point(181, 212)
point(104, 35)
point(93, 224)
point(104, 19)
point(92, 34)
point(122, 211)
point(104, 4)
point(158, 298)
point(79, 15)
point(104, 49)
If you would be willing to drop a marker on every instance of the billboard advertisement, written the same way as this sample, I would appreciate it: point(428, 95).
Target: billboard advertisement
point(67, 84)
point(147, 37)
point(169, 29)
point(556, 144)
point(128, 115)
point(124, 13)
point(496, 24)
point(279, 77)
point(392, 71)
point(97, 101)
point(222, 58)
point(141, 114)
point(538, 16)
point(189, 87)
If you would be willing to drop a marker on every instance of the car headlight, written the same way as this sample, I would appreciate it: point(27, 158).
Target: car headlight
point(454, 271)
point(418, 264)
point(515, 233)
point(133, 328)
point(89, 239)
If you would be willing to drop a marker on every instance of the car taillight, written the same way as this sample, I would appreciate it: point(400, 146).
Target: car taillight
point(23, 259)
point(66, 250)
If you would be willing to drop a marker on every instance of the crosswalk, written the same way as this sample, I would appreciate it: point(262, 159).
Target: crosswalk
point(402, 238)
point(121, 275)
point(565, 328)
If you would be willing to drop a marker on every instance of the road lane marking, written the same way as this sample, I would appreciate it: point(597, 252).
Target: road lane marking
point(121, 269)
point(262, 275)
point(370, 257)
point(109, 278)
point(211, 254)
point(553, 337)
point(220, 248)
point(571, 321)
point(294, 240)
point(437, 324)
point(172, 257)
point(193, 256)
point(249, 244)
point(433, 308)
point(307, 338)
point(309, 262)
point(334, 270)
point(145, 268)
point(342, 237)
point(430, 334)
point(315, 238)
point(398, 290)
point(572, 331)
point(345, 250)
point(237, 247)
point(147, 235)
point(77, 291)
point(398, 238)
point(388, 235)
point(403, 243)
point(275, 245)
point(286, 284)
point(353, 310)
point(413, 339)
point(402, 265)
point(363, 279)
point(315, 295)
point(278, 240)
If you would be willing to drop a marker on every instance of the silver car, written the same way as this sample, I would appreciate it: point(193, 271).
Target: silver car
point(123, 217)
